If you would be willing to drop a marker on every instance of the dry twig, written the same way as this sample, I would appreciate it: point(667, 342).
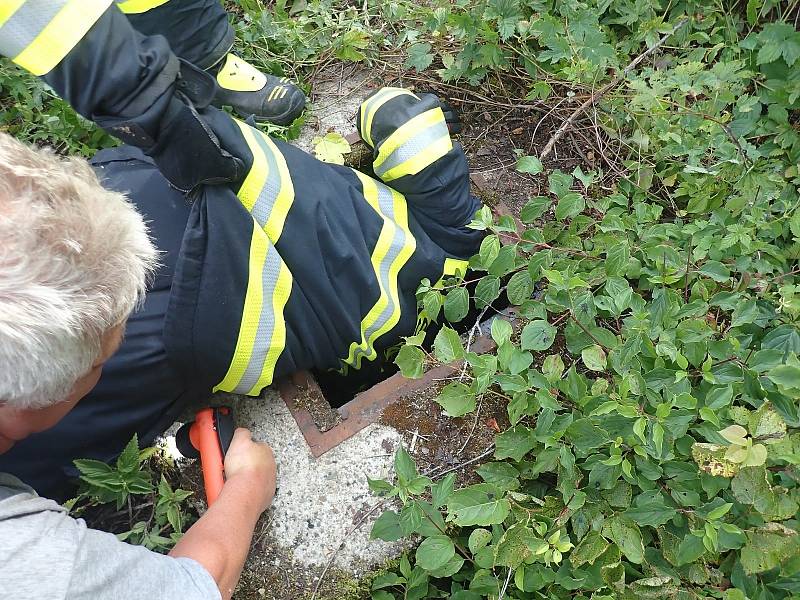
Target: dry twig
point(607, 88)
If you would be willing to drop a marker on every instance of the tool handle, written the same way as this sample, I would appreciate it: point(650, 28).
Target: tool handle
point(211, 435)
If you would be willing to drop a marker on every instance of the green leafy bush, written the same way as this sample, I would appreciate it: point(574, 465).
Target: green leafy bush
point(652, 376)
point(160, 515)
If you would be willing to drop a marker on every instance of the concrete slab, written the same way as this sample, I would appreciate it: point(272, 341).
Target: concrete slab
point(320, 499)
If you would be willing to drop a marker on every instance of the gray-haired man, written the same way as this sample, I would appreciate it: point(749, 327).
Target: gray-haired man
point(73, 265)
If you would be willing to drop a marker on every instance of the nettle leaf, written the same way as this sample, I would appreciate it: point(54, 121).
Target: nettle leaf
point(537, 335)
point(128, 461)
point(456, 399)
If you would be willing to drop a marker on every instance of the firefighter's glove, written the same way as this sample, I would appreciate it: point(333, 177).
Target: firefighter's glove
point(451, 115)
point(187, 149)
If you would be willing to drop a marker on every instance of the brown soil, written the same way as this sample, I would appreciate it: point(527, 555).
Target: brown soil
point(438, 442)
point(325, 417)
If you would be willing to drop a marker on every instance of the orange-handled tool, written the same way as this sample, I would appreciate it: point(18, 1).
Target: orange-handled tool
point(208, 437)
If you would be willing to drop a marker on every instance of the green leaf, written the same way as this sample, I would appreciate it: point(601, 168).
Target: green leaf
point(652, 512)
point(569, 205)
point(537, 335)
point(594, 357)
point(480, 504)
point(411, 361)
point(487, 291)
point(456, 399)
point(589, 549)
point(768, 547)
point(441, 490)
point(435, 552)
point(447, 346)
point(501, 331)
point(501, 474)
point(387, 527)
point(787, 376)
point(419, 56)
point(785, 338)
point(128, 461)
point(626, 536)
point(585, 435)
point(617, 257)
point(331, 148)
point(535, 208)
point(479, 538)
point(456, 304)
point(404, 465)
point(690, 549)
point(519, 288)
point(529, 164)
point(514, 443)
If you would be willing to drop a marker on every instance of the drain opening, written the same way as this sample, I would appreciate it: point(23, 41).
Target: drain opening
point(340, 388)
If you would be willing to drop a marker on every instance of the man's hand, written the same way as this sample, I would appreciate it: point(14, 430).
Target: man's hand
point(219, 541)
point(253, 464)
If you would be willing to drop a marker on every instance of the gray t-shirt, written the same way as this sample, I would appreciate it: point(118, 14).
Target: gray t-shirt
point(47, 555)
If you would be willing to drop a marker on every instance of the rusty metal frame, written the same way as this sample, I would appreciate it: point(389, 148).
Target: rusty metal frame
point(368, 406)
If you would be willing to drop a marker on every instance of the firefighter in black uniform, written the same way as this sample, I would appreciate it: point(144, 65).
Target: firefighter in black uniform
point(273, 261)
point(300, 264)
point(145, 70)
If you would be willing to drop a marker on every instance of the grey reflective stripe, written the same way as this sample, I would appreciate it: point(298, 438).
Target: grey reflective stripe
point(266, 322)
point(262, 209)
point(386, 204)
point(26, 24)
point(413, 146)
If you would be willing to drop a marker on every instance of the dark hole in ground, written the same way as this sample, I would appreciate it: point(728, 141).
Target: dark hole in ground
point(339, 388)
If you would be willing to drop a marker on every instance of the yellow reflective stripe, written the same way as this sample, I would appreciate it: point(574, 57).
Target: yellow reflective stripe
point(8, 8)
point(394, 248)
point(453, 267)
point(267, 191)
point(408, 130)
point(262, 331)
point(251, 313)
point(280, 297)
point(371, 106)
point(257, 176)
point(418, 162)
point(60, 35)
point(135, 7)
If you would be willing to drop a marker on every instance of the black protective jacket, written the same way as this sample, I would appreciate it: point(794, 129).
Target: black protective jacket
point(304, 264)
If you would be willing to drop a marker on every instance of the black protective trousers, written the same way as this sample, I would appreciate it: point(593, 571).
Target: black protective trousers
point(197, 30)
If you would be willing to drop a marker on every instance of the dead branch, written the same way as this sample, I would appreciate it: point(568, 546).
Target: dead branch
point(607, 88)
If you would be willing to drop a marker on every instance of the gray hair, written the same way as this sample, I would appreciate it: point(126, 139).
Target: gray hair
point(74, 261)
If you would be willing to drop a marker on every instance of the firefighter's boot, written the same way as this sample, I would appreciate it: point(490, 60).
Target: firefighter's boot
point(252, 93)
